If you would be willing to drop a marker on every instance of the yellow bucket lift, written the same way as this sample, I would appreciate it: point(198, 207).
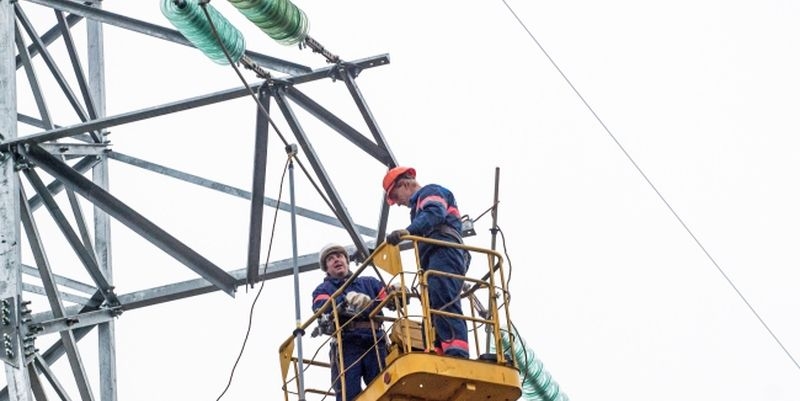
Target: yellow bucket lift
point(412, 372)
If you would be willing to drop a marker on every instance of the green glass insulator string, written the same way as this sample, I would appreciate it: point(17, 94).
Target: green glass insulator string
point(281, 20)
point(188, 17)
point(537, 384)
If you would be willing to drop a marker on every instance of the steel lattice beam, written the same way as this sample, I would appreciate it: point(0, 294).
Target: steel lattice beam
point(24, 42)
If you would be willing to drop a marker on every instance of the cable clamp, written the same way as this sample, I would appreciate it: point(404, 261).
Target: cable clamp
point(291, 150)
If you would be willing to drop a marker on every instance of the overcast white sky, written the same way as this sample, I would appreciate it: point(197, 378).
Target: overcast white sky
point(609, 289)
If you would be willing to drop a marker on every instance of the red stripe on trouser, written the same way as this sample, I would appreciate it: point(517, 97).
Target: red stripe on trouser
point(460, 344)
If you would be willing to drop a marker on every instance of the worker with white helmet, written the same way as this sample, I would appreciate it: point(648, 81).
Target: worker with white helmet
point(435, 215)
point(363, 358)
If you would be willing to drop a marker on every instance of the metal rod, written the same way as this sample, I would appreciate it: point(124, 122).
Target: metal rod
point(133, 116)
point(259, 177)
point(56, 351)
point(292, 151)
point(106, 332)
point(377, 134)
point(36, 384)
point(237, 92)
point(54, 70)
point(33, 80)
point(333, 71)
point(494, 241)
point(61, 280)
point(51, 377)
point(347, 131)
point(494, 207)
point(57, 186)
point(39, 256)
point(50, 36)
point(17, 379)
point(53, 297)
point(66, 296)
point(43, 110)
point(308, 150)
point(80, 221)
point(87, 259)
point(241, 193)
point(366, 113)
point(83, 83)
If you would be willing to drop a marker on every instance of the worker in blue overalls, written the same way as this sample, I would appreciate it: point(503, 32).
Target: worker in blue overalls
point(363, 356)
point(435, 215)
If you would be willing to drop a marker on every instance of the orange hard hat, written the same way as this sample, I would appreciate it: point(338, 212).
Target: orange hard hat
point(391, 177)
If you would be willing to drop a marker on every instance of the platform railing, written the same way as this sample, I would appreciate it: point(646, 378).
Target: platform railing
point(407, 324)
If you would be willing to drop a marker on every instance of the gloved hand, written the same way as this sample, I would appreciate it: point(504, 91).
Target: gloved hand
point(394, 237)
point(394, 291)
point(396, 287)
point(358, 300)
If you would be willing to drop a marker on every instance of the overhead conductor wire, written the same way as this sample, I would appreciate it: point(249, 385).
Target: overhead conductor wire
point(650, 183)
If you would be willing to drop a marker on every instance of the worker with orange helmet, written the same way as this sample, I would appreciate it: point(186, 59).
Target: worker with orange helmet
point(435, 215)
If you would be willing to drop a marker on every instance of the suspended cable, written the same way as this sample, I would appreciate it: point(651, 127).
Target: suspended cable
point(211, 23)
point(653, 187)
point(260, 288)
point(264, 111)
point(508, 257)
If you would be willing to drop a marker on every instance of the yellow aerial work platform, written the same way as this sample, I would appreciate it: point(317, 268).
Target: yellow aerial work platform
point(411, 372)
point(425, 376)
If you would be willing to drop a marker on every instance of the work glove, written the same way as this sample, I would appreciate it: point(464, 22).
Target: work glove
point(394, 302)
point(394, 237)
point(397, 287)
point(358, 300)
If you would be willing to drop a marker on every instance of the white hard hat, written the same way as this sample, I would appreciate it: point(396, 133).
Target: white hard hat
point(329, 249)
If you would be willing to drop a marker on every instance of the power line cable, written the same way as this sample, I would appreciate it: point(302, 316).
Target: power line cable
point(263, 110)
point(260, 288)
point(653, 187)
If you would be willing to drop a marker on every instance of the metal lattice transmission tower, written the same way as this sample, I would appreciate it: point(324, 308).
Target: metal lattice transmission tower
point(66, 162)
